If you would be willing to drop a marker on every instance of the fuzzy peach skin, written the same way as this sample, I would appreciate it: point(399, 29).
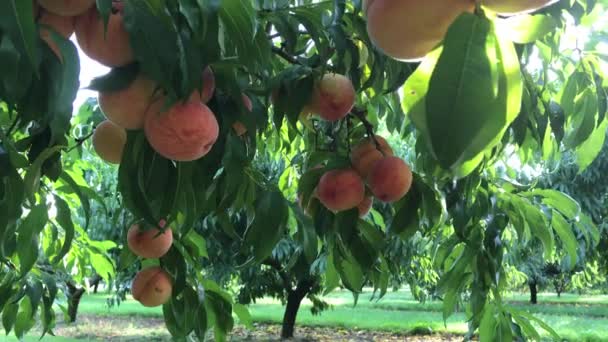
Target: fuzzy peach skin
point(152, 287)
point(510, 7)
point(390, 179)
point(365, 154)
point(365, 206)
point(151, 243)
point(109, 141)
point(185, 132)
point(111, 48)
point(128, 107)
point(66, 8)
point(340, 190)
point(239, 127)
point(333, 97)
point(62, 25)
point(409, 29)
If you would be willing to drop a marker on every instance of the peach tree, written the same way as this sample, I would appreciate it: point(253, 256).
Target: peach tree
point(200, 90)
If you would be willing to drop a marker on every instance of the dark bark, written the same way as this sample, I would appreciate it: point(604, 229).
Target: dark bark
point(74, 296)
point(95, 282)
point(533, 292)
point(294, 299)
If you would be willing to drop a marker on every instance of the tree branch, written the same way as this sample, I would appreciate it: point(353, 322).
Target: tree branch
point(369, 128)
point(80, 141)
point(283, 54)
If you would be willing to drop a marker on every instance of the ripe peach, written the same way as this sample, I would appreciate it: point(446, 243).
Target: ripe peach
point(508, 7)
point(333, 97)
point(340, 190)
point(409, 29)
point(365, 154)
point(151, 243)
point(152, 286)
point(109, 141)
point(390, 179)
point(365, 206)
point(185, 132)
point(127, 107)
point(62, 25)
point(239, 127)
point(66, 8)
point(111, 48)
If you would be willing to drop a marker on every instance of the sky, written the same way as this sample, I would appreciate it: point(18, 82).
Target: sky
point(89, 69)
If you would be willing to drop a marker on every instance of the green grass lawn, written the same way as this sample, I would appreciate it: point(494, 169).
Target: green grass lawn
point(574, 318)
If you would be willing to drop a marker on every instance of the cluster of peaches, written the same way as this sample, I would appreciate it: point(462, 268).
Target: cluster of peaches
point(388, 178)
point(152, 286)
point(409, 29)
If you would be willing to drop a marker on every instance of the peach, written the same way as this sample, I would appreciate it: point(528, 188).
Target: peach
point(109, 141)
point(151, 243)
point(186, 131)
point(509, 7)
point(127, 107)
point(239, 127)
point(340, 190)
point(390, 179)
point(333, 97)
point(66, 8)
point(152, 287)
point(62, 25)
point(111, 48)
point(409, 29)
point(365, 154)
point(365, 206)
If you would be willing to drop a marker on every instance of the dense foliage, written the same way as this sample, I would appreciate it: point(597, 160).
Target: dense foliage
point(474, 119)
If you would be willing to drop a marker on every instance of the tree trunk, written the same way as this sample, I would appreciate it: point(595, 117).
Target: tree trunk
point(533, 292)
point(95, 282)
point(294, 299)
point(74, 295)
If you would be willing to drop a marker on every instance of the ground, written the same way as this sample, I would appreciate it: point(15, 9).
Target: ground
point(397, 317)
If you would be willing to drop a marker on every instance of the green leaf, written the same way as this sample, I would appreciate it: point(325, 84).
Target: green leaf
point(64, 218)
point(9, 315)
point(542, 324)
point(536, 222)
point(462, 89)
point(243, 314)
point(239, 19)
point(268, 225)
point(487, 326)
point(24, 321)
point(587, 151)
point(474, 93)
point(27, 240)
point(17, 18)
point(332, 279)
point(33, 174)
point(78, 189)
point(557, 200)
point(565, 233)
point(197, 243)
point(102, 265)
point(524, 29)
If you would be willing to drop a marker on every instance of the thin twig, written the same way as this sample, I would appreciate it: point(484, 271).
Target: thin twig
point(369, 128)
point(283, 54)
point(80, 141)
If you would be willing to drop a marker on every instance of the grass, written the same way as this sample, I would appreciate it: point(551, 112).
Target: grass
point(574, 318)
